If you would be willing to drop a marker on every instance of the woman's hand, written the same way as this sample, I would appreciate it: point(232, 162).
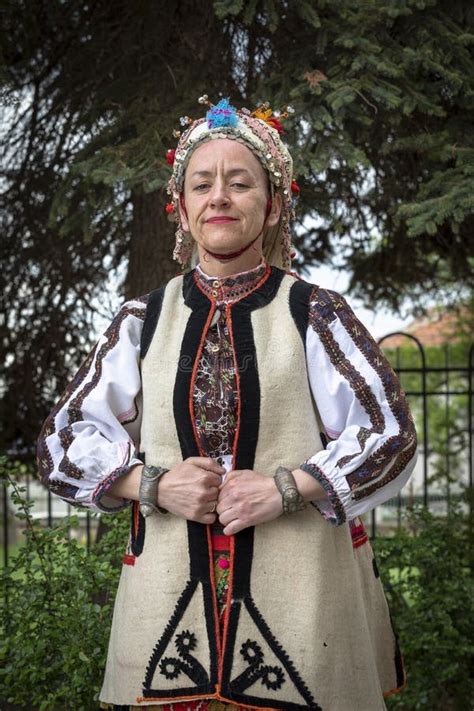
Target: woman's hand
point(246, 499)
point(191, 489)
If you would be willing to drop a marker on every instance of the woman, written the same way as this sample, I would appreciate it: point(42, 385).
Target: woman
point(235, 592)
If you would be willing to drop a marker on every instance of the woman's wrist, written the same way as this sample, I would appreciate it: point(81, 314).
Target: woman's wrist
point(128, 485)
point(309, 488)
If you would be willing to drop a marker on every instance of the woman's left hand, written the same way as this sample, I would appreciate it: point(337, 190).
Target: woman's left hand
point(247, 498)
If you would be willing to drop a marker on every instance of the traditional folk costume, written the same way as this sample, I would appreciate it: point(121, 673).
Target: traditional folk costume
point(255, 370)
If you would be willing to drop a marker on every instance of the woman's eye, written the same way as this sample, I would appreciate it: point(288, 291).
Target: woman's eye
point(201, 187)
point(239, 185)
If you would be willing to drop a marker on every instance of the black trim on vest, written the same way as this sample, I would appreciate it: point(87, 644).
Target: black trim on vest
point(200, 571)
point(137, 540)
point(398, 658)
point(200, 307)
point(300, 293)
point(246, 356)
point(152, 314)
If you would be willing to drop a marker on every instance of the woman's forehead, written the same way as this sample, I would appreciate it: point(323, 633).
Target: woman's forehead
point(224, 151)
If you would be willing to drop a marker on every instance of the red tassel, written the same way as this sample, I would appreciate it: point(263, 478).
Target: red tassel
point(169, 208)
point(170, 156)
point(295, 188)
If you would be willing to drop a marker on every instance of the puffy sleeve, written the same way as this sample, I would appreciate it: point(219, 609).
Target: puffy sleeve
point(371, 448)
point(91, 437)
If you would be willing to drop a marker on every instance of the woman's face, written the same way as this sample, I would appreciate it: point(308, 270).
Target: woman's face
point(225, 197)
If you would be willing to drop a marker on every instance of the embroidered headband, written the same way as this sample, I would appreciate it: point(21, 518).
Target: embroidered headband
point(260, 132)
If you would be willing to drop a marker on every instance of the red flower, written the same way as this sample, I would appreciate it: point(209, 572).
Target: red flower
point(170, 156)
point(275, 123)
point(295, 188)
point(169, 208)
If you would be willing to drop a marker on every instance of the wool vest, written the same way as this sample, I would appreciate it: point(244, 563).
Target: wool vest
point(307, 625)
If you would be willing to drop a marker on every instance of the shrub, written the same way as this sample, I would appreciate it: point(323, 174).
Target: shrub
point(425, 570)
point(58, 598)
point(56, 614)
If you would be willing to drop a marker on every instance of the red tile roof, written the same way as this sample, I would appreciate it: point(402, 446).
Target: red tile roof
point(436, 328)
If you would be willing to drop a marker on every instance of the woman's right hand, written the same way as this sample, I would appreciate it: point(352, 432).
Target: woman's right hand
point(191, 488)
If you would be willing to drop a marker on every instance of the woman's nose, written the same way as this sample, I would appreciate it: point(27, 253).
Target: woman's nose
point(219, 194)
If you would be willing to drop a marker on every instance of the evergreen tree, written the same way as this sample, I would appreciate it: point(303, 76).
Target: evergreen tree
point(383, 93)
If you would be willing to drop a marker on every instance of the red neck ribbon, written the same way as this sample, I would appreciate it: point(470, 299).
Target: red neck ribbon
point(232, 255)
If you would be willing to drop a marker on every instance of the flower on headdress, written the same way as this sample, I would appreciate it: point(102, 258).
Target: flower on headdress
point(276, 124)
point(264, 113)
point(170, 156)
point(169, 208)
point(295, 188)
point(222, 115)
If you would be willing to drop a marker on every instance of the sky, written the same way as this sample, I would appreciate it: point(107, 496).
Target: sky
point(379, 323)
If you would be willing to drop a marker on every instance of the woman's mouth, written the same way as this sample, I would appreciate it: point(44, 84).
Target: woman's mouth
point(219, 220)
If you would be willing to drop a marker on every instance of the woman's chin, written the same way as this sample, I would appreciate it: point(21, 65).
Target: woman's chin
point(222, 245)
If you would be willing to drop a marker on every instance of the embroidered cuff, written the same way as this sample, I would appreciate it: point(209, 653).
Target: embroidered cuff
point(331, 507)
point(103, 501)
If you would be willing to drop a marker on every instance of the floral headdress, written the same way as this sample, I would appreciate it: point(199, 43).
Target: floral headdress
point(258, 130)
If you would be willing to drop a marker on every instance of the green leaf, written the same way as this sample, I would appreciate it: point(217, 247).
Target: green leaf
point(226, 8)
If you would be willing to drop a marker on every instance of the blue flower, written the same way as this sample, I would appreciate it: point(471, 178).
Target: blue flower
point(222, 115)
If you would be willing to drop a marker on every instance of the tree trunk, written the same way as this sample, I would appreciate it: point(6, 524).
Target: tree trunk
point(151, 261)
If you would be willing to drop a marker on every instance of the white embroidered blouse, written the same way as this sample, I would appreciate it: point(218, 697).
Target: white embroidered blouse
point(91, 437)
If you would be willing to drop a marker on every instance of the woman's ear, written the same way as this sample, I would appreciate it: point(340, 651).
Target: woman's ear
point(275, 212)
point(183, 214)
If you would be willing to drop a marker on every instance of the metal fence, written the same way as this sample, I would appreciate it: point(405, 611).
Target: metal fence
point(441, 398)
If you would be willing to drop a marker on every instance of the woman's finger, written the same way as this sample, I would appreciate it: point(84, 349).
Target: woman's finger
point(227, 516)
point(206, 463)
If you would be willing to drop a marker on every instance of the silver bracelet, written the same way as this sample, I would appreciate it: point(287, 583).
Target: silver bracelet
point(148, 491)
point(286, 485)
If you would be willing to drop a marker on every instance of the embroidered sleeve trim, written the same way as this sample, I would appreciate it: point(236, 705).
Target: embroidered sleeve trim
point(379, 460)
point(324, 311)
point(102, 488)
point(339, 515)
point(44, 459)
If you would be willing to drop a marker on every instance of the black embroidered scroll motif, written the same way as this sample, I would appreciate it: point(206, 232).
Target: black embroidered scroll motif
point(267, 662)
point(272, 677)
point(172, 667)
point(166, 664)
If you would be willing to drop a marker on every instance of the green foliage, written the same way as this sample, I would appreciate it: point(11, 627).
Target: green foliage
point(426, 573)
point(56, 610)
point(381, 137)
point(57, 600)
